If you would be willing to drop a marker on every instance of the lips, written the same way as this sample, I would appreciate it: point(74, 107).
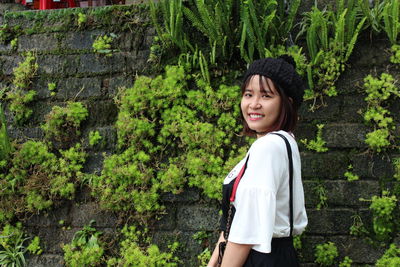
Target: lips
point(255, 116)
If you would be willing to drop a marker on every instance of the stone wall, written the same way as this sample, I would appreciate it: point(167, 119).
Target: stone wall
point(65, 56)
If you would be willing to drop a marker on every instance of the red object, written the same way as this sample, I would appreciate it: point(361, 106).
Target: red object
point(50, 4)
point(235, 185)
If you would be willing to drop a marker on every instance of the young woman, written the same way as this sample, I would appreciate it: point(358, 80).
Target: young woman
point(263, 198)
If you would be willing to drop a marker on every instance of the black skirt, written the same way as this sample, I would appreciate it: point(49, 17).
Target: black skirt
point(282, 254)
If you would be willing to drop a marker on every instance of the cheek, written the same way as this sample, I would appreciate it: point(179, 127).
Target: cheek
point(242, 105)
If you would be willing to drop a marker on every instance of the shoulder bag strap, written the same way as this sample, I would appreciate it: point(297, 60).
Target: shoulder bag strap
point(289, 151)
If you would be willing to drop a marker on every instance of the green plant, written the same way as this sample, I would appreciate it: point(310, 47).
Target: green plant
point(349, 175)
point(330, 36)
point(357, 228)
point(25, 71)
point(395, 57)
point(320, 191)
point(201, 236)
point(382, 208)
point(5, 144)
point(391, 19)
point(318, 144)
point(94, 138)
point(390, 258)
point(396, 164)
point(378, 93)
point(34, 247)
point(297, 242)
point(62, 123)
point(52, 87)
point(12, 247)
point(82, 19)
point(325, 254)
point(172, 131)
point(132, 254)
point(102, 44)
point(14, 43)
point(346, 262)
point(374, 13)
point(85, 249)
point(204, 257)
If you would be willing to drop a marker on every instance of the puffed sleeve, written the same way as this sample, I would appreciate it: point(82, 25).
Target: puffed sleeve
point(255, 201)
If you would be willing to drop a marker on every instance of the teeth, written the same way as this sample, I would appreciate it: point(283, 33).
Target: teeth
point(254, 116)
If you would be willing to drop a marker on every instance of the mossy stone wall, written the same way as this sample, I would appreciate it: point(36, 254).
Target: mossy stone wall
point(65, 56)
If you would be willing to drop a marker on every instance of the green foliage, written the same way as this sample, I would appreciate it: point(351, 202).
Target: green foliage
point(391, 20)
point(5, 144)
point(14, 43)
point(331, 36)
point(379, 92)
point(395, 57)
point(102, 44)
point(85, 249)
point(132, 254)
point(318, 144)
point(25, 71)
point(201, 236)
point(8, 33)
point(193, 126)
point(325, 254)
point(297, 242)
point(12, 247)
point(320, 191)
point(52, 88)
point(204, 257)
point(351, 176)
point(383, 217)
point(94, 138)
point(63, 123)
point(396, 164)
point(390, 258)
point(346, 262)
point(34, 247)
point(82, 19)
point(37, 177)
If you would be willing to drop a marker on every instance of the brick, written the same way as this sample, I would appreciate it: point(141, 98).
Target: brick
point(345, 135)
point(5, 47)
point(351, 107)
point(94, 163)
point(114, 83)
point(107, 142)
point(101, 113)
point(23, 134)
point(9, 63)
point(45, 260)
point(327, 165)
point(52, 238)
point(328, 221)
point(197, 218)
point(82, 214)
point(329, 112)
point(80, 40)
point(189, 195)
point(167, 221)
point(92, 63)
point(51, 218)
point(37, 42)
point(56, 64)
point(78, 88)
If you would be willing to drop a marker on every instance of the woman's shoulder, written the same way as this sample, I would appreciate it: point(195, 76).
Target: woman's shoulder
point(269, 143)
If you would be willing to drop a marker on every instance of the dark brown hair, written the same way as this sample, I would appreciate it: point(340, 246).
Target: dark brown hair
point(288, 115)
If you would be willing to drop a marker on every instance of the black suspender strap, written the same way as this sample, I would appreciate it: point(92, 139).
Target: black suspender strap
point(289, 151)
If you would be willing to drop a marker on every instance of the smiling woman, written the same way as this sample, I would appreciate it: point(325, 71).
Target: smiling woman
point(263, 197)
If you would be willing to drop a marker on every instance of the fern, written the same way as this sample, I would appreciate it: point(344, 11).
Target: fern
point(391, 20)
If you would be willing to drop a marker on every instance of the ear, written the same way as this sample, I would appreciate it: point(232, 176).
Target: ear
point(291, 100)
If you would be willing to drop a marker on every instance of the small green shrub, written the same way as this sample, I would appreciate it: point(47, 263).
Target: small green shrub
point(350, 175)
point(102, 44)
point(395, 57)
point(318, 144)
point(390, 258)
point(325, 254)
point(357, 228)
point(383, 217)
point(346, 262)
point(94, 138)
point(5, 144)
point(204, 257)
point(25, 71)
point(85, 249)
point(52, 88)
point(132, 254)
point(62, 123)
point(320, 191)
point(82, 19)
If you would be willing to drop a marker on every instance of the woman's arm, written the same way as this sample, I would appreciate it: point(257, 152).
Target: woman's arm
point(235, 254)
point(214, 257)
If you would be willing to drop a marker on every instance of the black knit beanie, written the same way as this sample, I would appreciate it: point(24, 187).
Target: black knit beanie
point(282, 71)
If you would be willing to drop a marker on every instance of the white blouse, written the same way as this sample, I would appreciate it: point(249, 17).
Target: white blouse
point(262, 197)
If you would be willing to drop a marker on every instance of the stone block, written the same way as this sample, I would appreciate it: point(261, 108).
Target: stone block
point(351, 107)
point(93, 64)
point(370, 54)
point(330, 112)
point(136, 63)
point(9, 63)
point(5, 47)
point(82, 214)
point(329, 221)
point(327, 165)
point(197, 218)
point(167, 221)
point(113, 84)
point(94, 163)
point(101, 113)
point(56, 64)
point(52, 238)
point(80, 40)
point(50, 218)
point(189, 195)
point(37, 42)
point(45, 260)
point(23, 134)
point(345, 135)
point(78, 88)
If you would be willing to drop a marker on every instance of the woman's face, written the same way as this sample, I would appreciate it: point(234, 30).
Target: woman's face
point(260, 105)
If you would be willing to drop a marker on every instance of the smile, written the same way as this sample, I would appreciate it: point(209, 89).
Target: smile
point(255, 116)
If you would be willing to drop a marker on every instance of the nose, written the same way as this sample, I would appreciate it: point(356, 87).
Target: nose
point(255, 103)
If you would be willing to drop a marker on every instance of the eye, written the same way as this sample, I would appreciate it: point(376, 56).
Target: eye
point(247, 95)
point(266, 96)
